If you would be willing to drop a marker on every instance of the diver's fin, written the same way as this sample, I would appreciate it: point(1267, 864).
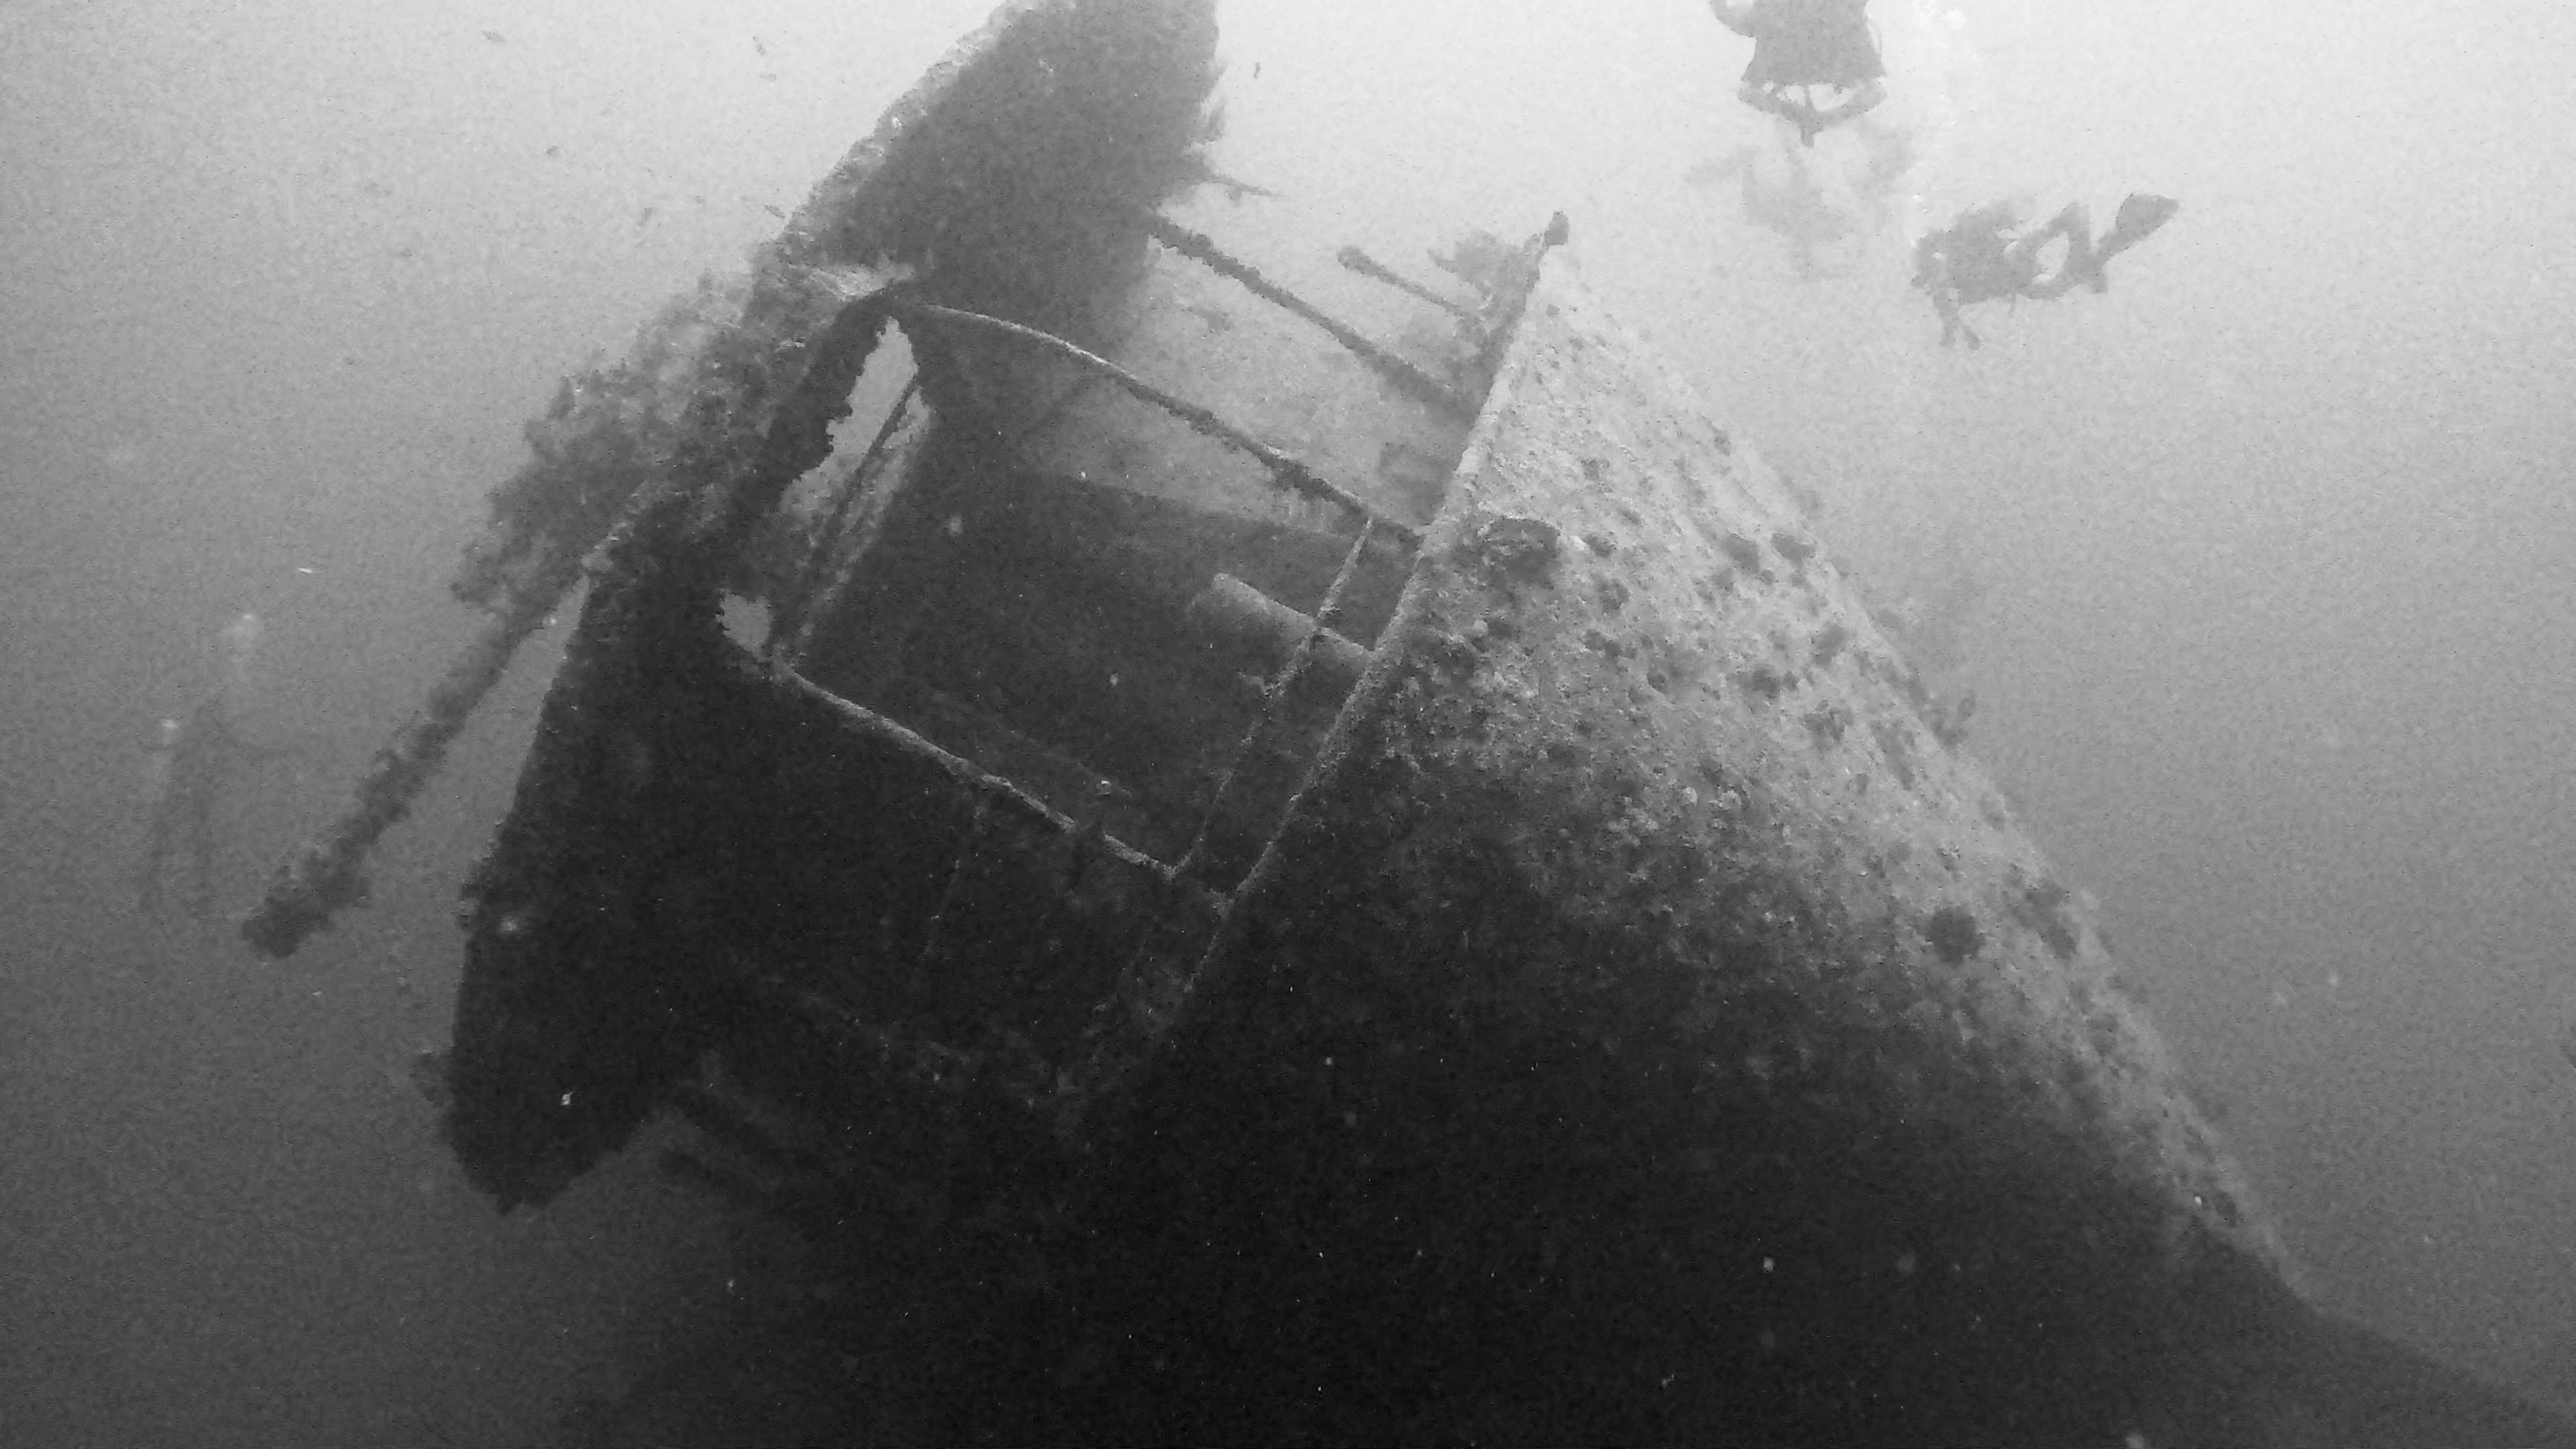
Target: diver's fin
point(2085, 263)
point(2140, 215)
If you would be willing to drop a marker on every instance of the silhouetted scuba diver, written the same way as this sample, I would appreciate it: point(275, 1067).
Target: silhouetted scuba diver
point(1798, 210)
point(1795, 210)
point(1979, 258)
point(1801, 48)
point(197, 753)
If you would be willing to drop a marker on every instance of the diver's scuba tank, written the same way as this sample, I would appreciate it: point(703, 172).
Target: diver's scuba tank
point(238, 643)
point(159, 760)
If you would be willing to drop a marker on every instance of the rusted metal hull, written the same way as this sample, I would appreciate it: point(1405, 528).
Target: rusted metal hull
point(1265, 868)
point(1647, 1031)
point(1641, 1029)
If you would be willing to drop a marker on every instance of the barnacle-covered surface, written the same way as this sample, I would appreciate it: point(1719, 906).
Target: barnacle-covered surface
point(1646, 1017)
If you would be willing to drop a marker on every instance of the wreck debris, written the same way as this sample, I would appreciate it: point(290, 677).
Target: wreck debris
point(1367, 266)
point(1485, 1027)
point(991, 788)
point(610, 431)
point(1290, 472)
point(1016, 771)
point(324, 876)
point(1269, 631)
point(1396, 370)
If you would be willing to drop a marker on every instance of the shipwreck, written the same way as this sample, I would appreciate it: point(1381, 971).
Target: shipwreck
point(1255, 842)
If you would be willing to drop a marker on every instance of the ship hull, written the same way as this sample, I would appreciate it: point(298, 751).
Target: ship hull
point(1281, 853)
point(1648, 1030)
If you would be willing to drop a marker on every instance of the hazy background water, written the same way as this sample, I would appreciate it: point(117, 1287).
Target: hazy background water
point(2277, 655)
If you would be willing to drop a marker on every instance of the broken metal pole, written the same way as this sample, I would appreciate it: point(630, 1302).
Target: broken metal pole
point(1413, 380)
point(1377, 271)
point(326, 875)
point(1237, 614)
point(1289, 471)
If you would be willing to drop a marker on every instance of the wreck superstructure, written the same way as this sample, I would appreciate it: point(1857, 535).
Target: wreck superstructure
point(1021, 674)
point(1329, 829)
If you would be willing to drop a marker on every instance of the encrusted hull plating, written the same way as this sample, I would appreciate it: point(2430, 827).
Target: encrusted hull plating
point(1245, 882)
